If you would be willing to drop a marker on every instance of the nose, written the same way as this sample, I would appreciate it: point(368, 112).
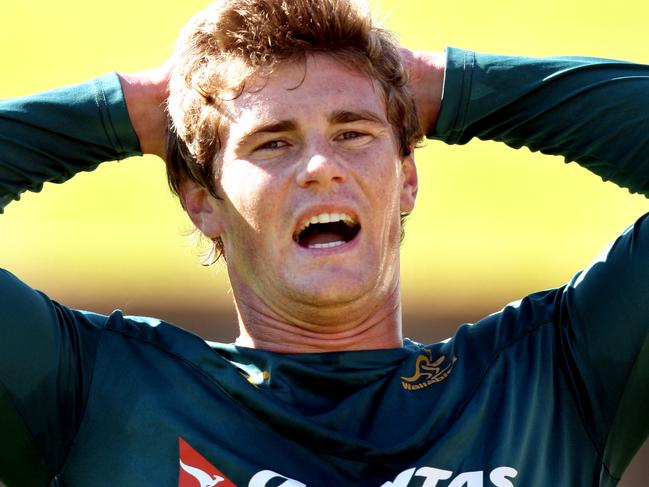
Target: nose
point(320, 167)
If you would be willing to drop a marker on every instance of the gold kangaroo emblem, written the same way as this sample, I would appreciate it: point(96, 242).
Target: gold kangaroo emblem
point(428, 371)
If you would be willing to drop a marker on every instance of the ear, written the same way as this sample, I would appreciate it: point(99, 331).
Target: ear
point(409, 183)
point(202, 208)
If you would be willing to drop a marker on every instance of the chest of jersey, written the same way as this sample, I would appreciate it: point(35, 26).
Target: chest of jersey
point(155, 417)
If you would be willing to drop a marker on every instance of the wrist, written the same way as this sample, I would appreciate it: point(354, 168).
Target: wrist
point(426, 80)
point(145, 94)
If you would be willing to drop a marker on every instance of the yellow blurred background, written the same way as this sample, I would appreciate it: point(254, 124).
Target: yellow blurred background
point(491, 224)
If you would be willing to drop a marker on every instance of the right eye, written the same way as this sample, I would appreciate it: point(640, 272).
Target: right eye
point(273, 145)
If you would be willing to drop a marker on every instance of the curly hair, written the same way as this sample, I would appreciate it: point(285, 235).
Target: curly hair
point(232, 40)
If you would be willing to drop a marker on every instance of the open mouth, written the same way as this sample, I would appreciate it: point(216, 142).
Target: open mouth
point(326, 230)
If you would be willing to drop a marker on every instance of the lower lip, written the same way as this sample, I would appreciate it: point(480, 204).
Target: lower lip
point(346, 247)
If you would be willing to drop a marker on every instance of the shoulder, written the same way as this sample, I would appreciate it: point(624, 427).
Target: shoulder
point(525, 320)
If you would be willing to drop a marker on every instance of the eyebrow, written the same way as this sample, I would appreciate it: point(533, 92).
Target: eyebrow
point(346, 116)
point(266, 128)
point(339, 116)
point(281, 126)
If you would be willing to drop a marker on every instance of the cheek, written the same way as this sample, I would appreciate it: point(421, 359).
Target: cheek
point(381, 178)
point(382, 181)
point(249, 191)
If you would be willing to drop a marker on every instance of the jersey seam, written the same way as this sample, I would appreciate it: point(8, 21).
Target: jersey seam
point(599, 449)
point(582, 420)
point(534, 327)
point(468, 64)
point(85, 404)
point(619, 401)
point(103, 107)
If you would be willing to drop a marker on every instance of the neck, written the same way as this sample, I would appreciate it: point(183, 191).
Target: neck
point(352, 326)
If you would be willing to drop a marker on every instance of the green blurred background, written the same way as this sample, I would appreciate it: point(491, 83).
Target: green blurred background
point(491, 224)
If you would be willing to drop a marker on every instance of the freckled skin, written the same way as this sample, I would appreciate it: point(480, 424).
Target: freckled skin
point(290, 298)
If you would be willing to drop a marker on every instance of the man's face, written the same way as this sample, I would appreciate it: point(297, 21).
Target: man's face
point(312, 187)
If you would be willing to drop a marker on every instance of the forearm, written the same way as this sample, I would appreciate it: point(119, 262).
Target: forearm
point(592, 111)
point(51, 136)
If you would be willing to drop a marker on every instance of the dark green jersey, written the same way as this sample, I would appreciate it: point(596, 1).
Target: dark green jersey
point(550, 391)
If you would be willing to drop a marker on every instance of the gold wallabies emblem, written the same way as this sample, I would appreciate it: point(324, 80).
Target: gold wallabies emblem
point(428, 371)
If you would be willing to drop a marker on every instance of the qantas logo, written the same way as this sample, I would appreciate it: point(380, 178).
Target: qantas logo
point(431, 477)
point(499, 477)
point(263, 478)
point(202, 477)
point(196, 471)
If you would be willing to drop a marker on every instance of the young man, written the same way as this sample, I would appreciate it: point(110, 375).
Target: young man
point(293, 154)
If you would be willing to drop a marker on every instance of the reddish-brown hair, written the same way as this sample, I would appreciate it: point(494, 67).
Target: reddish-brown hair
point(231, 40)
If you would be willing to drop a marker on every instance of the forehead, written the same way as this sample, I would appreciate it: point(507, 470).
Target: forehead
point(310, 90)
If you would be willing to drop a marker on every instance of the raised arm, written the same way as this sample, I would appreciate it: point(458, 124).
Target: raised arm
point(54, 135)
point(47, 351)
point(593, 111)
point(51, 136)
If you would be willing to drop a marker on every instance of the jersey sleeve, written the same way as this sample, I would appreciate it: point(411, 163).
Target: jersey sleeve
point(602, 325)
point(47, 351)
point(56, 134)
point(594, 112)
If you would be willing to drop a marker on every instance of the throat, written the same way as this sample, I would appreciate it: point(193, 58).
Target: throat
point(377, 333)
point(366, 323)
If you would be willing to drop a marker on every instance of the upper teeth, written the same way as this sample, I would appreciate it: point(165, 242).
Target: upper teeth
point(327, 218)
